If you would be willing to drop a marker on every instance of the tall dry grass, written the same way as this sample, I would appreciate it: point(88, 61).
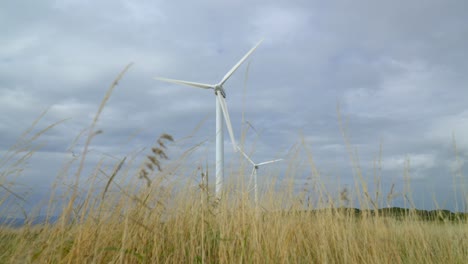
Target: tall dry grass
point(154, 217)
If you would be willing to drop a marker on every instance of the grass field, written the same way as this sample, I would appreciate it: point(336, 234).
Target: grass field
point(149, 218)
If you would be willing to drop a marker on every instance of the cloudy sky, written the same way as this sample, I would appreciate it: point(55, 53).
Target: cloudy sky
point(397, 70)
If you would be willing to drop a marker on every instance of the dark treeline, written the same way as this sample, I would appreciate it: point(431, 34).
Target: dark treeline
point(393, 212)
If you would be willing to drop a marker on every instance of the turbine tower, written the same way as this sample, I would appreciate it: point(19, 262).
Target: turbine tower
point(221, 107)
point(253, 175)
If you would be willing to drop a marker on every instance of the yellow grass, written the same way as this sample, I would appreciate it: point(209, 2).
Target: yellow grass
point(154, 217)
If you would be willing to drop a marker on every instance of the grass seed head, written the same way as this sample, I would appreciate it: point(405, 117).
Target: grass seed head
point(159, 152)
point(149, 166)
point(167, 137)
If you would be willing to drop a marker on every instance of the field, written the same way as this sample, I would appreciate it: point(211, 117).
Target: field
point(149, 217)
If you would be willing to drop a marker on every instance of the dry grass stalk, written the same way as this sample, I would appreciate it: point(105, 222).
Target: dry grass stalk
point(117, 169)
point(91, 134)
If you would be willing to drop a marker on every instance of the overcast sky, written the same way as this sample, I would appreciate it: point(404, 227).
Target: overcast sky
point(398, 70)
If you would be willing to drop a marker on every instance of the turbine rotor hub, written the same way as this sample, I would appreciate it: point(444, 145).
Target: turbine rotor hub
point(219, 88)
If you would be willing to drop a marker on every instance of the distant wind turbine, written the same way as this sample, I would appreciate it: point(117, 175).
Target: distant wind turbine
point(255, 168)
point(221, 106)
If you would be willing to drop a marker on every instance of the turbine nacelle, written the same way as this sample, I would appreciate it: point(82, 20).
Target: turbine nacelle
point(220, 89)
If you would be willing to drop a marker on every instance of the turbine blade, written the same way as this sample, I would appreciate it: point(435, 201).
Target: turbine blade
point(245, 155)
point(223, 104)
point(194, 84)
point(268, 162)
point(226, 77)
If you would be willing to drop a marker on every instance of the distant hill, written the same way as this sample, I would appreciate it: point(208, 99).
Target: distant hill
point(400, 213)
point(432, 215)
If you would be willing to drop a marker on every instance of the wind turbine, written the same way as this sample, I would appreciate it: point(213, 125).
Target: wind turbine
point(255, 168)
point(221, 106)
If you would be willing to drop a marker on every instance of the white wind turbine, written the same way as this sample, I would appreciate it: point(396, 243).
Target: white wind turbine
point(253, 175)
point(221, 106)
